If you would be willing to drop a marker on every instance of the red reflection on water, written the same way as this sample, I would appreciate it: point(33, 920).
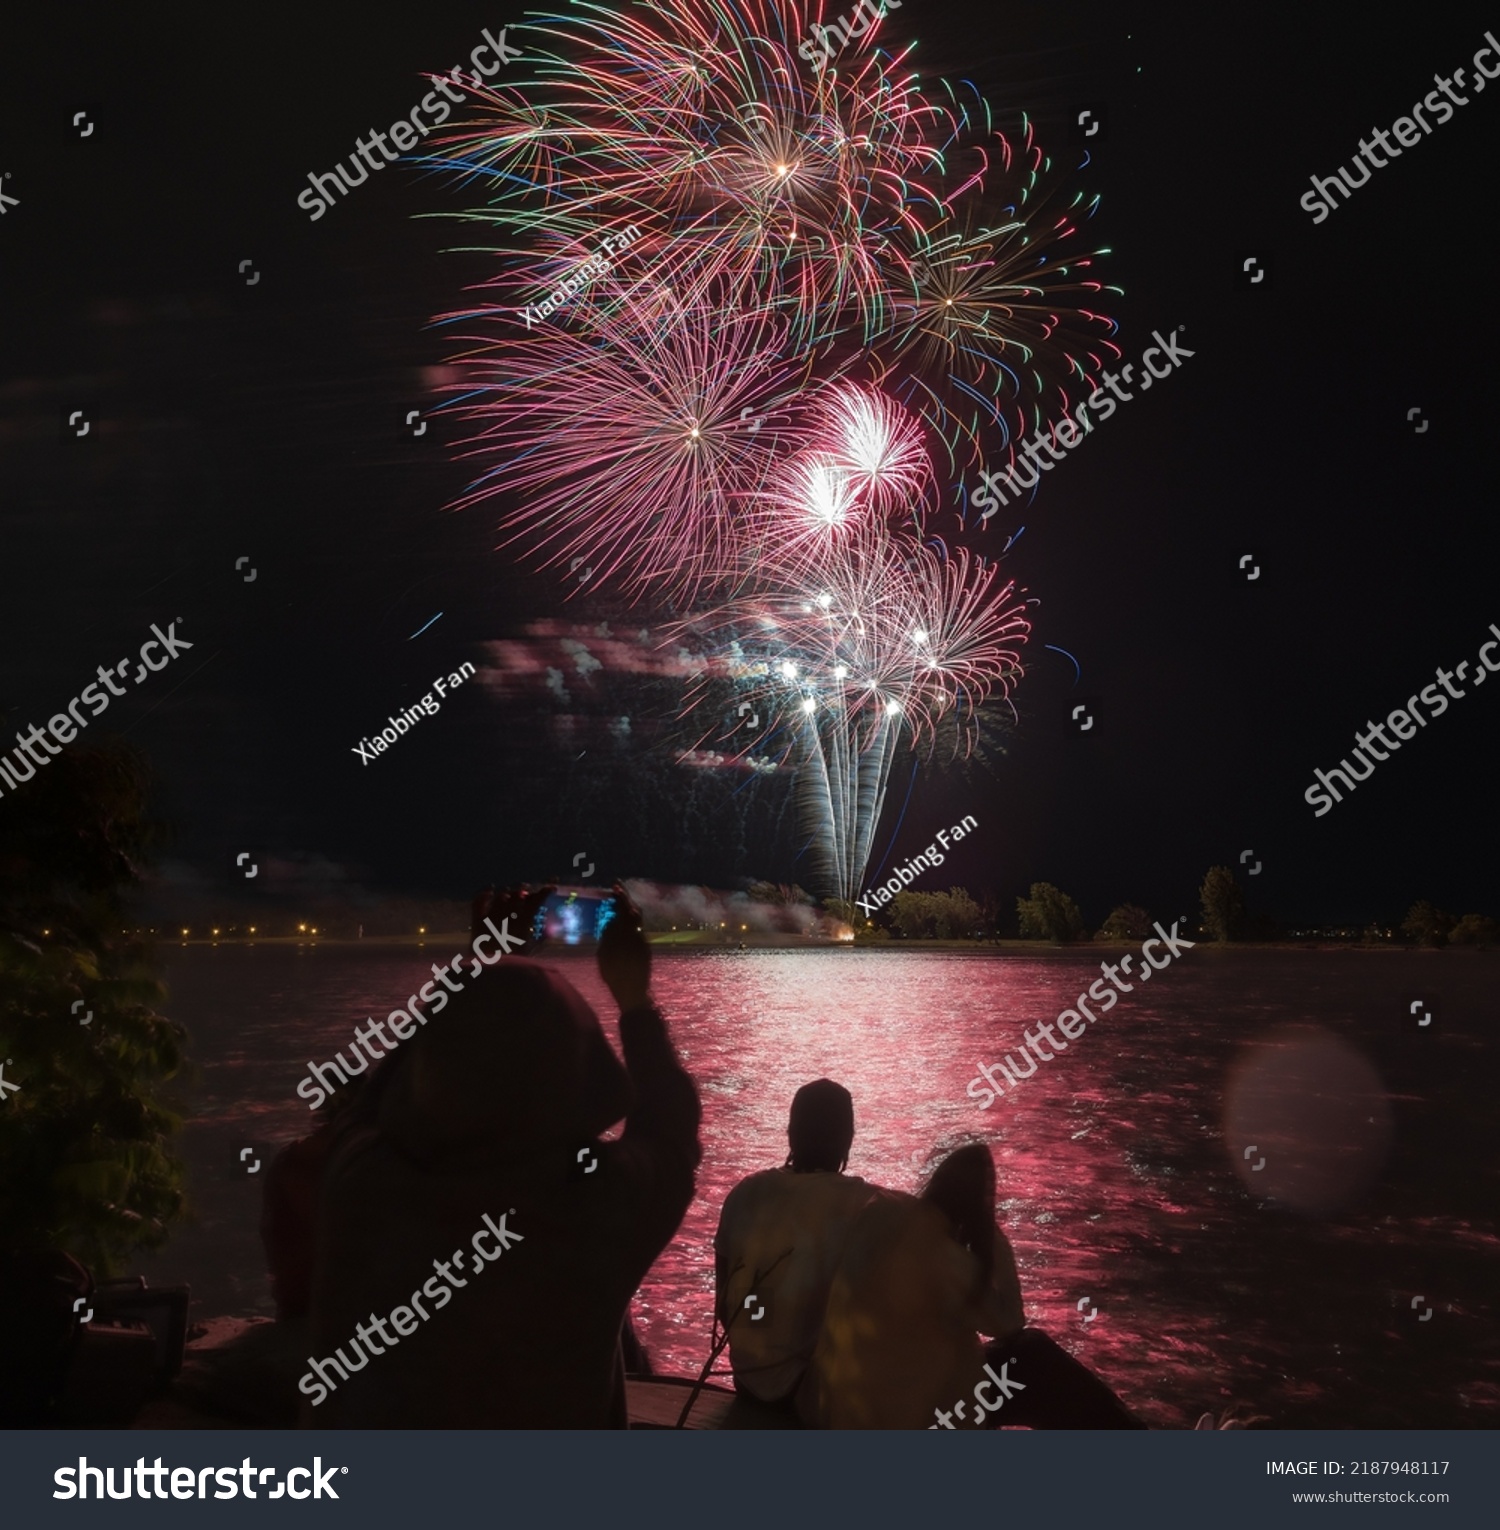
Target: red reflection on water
point(1137, 1245)
point(1117, 1186)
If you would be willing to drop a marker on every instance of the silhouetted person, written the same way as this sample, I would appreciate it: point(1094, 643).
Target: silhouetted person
point(780, 1237)
point(921, 1277)
point(482, 1161)
point(289, 1205)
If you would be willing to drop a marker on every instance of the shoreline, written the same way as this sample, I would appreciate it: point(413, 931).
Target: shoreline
point(790, 942)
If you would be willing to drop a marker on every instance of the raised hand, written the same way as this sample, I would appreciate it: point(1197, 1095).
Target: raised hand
point(624, 954)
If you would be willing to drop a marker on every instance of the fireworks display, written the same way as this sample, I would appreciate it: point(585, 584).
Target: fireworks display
point(740, 305)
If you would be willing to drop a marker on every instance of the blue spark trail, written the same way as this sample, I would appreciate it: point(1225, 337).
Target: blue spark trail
point(1076, 665)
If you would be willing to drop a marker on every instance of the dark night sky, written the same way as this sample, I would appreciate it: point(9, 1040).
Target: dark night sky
point(266, 422)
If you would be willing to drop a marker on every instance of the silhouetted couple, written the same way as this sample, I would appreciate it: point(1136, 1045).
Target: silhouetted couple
point(867, 1304)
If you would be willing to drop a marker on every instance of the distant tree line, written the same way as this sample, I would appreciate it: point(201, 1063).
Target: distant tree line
point(1048, 913)
point(1430, 926)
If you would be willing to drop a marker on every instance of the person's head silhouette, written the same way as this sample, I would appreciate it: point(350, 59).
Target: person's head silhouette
point(962, 1187)
point(820, 1130)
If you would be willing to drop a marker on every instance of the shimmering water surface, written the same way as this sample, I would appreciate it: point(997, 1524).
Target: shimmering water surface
point(1129, 1189)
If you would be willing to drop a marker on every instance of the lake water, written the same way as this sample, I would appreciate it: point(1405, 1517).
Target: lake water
point(1247, 1183)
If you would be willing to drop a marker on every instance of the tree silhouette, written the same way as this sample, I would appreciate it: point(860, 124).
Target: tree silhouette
point(1049, 914)
point(86, 1164)
point(1127, 922)
point(1223, 904)
point(1427, 924)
